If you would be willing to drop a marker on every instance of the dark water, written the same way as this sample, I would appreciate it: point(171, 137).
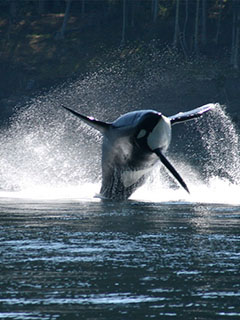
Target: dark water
point(145, 259)
point(134, 260)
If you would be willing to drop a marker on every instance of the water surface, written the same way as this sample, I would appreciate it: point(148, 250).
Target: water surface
point(163, 254)
point(75, 259)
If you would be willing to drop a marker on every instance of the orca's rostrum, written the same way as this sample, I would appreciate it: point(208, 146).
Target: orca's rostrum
point(132, 145)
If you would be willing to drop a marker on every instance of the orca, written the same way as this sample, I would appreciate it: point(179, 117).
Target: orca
point(132, 144)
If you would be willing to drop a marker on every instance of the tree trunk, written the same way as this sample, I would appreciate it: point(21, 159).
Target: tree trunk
point(204, 28)
point(185, 27)
point(83, 9)
point(134, 10)
point(219, 22)
point(236, 40)
point(61, 34)
point(176, 29)
point(12, 16)
point(236, 55)
point(155, 10)
point(196, 46)
point(123, 23)
point(234, 27)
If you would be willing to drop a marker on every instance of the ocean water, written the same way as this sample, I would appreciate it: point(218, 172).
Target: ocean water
point(87, 259)
point(163, 254)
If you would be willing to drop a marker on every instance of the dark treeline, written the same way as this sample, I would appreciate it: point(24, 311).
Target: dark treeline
point(194, 26)
point(45, 42)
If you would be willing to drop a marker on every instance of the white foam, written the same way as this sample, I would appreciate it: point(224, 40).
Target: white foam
point(83, 192)
point(45, 154)
point(216, 191)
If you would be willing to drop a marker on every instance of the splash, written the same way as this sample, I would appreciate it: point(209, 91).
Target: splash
point(46, 148)
point(215, 175)
point(46, 153)
point(221, 145)
point(215, 190)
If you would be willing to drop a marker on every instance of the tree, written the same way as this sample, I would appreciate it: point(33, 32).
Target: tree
point(155, 10)
point(196, 29)
point(176, 29)
point(235, 35)
point(204, 28)
point(83, 8)
point(219, 18)
point(61, 33)
point(123, 22)
point(184, 40)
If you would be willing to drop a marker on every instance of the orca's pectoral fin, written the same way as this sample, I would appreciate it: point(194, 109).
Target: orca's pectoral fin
point(195, 113)
point(96, 124)
point(168, 165)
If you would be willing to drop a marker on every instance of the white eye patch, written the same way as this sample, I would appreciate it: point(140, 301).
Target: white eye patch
point(141, 134)
point(161, 135)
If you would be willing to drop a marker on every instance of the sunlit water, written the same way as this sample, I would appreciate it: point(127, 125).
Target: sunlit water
point(71, 259)
point(163, 254)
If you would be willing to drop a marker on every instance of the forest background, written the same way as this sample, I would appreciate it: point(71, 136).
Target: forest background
point(193, 43)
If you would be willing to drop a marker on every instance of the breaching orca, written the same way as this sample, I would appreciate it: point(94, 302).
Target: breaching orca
point(132, 144)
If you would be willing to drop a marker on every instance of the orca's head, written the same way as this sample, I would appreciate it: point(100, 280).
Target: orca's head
point(153, 131)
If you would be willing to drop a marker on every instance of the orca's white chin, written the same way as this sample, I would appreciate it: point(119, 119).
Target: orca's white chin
point(160, 136)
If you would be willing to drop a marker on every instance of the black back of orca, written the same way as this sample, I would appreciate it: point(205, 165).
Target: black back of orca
point(126, 157)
